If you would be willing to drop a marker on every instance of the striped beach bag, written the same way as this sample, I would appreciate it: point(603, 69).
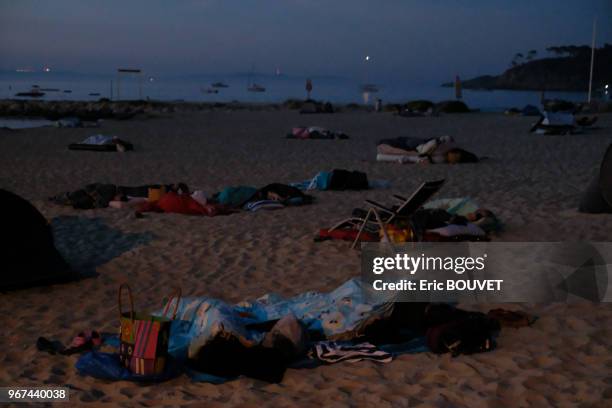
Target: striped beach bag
point(143, 346)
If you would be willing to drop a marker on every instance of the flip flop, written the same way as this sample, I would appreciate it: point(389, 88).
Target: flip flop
point(51, 347)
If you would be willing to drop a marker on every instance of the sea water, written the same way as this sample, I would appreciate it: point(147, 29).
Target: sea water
point(278, 89)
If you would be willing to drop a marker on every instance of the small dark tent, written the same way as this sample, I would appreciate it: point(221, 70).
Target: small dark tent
point(28, 256)
point(598, 196)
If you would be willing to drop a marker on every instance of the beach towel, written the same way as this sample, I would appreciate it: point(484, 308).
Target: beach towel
point(336, 352)
point(107, 366)
point(263, 205)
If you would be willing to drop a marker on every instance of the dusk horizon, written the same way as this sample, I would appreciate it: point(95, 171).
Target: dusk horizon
point(405, 40)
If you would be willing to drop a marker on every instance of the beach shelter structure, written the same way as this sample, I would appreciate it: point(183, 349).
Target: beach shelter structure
point(129, 71)
point(29, 257)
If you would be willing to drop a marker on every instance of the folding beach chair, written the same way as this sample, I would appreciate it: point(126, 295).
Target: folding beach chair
point(378, 216)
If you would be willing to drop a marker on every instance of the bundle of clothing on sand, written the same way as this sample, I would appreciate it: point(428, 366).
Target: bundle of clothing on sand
point(562, 123)
point(177, 198)
point(213, 341)
point(415, 219)
point(417, 150)
point(102, 143)
point(340, 179)
point(315, 132)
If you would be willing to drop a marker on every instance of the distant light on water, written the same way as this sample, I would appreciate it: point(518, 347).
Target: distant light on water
point(367, 57)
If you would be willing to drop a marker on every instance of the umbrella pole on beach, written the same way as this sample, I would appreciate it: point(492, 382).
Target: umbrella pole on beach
point(592, 59)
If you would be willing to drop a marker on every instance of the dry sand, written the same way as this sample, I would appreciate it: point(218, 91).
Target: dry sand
point(533, 183)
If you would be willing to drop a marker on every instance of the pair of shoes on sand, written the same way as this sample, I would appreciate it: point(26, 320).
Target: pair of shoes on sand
point(82, 342)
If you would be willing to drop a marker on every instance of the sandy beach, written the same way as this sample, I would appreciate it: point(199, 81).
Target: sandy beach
point(533, 183)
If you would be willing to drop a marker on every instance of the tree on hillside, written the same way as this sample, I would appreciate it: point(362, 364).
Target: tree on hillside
point(518, 58)
point(569, 50)
point(531, 55)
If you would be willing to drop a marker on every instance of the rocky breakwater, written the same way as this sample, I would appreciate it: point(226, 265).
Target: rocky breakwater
point(84, 110)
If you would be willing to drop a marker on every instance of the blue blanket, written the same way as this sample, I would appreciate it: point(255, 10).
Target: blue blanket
point(340, 315)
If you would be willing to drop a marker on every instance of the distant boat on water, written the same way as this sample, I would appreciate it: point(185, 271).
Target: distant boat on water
point(256, 88)
point(209, 90)
point(35, 92)
point(219, 85)
point(252, 85)
point(369, 88)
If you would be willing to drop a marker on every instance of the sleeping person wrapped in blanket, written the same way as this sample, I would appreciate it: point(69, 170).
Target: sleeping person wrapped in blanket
point(416, 150)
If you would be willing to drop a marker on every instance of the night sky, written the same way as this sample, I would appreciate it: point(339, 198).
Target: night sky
point(408, 40)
